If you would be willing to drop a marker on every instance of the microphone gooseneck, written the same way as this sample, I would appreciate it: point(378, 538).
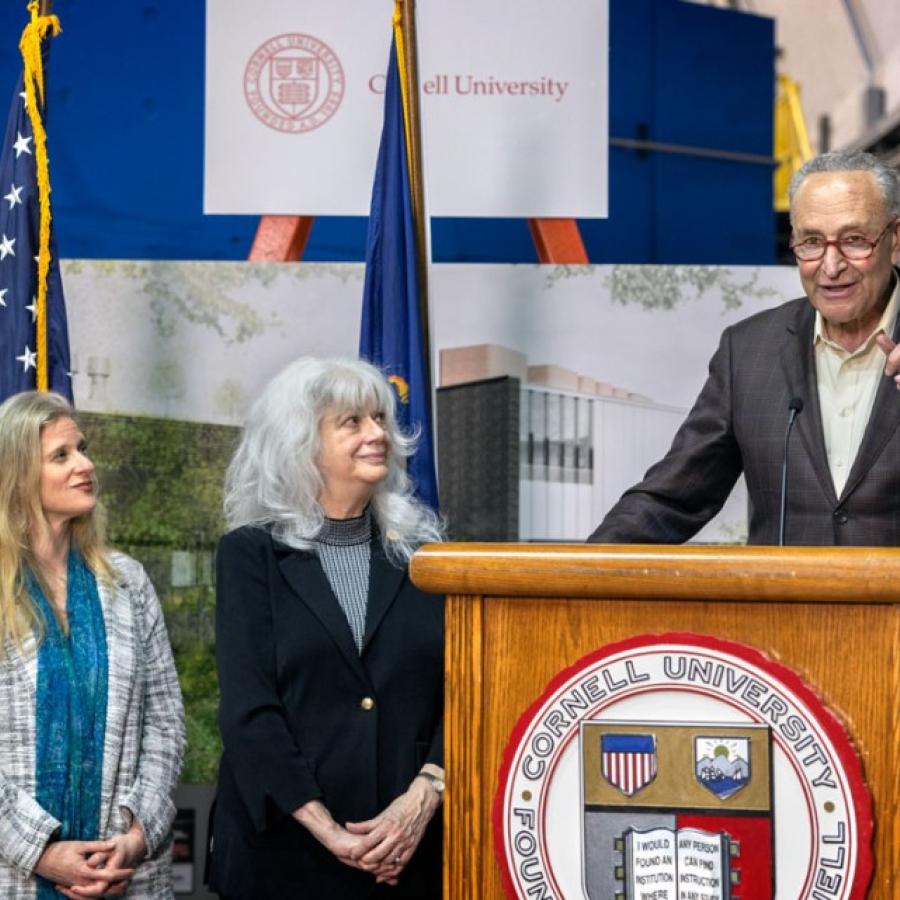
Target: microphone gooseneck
point(795, 407)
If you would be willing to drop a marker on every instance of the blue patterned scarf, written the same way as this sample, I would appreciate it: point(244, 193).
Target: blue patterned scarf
point(70, 715)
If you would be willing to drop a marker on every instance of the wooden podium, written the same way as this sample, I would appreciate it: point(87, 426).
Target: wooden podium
point(517, 615)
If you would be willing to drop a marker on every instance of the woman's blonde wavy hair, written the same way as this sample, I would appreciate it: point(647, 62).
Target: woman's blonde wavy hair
point(22, 419)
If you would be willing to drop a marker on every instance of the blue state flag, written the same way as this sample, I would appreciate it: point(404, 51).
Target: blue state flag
point(34, 339)
point(391, 333)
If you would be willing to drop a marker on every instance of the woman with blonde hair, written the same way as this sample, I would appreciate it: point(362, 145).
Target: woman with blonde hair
point(330, 660)
point(92, 732)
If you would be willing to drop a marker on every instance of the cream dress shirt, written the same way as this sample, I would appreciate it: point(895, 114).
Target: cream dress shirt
point(847, 383)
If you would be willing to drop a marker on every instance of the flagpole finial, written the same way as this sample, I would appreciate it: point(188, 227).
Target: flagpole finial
point(39, 8)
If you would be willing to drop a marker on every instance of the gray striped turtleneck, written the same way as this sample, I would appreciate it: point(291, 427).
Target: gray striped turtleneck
point(344, 547)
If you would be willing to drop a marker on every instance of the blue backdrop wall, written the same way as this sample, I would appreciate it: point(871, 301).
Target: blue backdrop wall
point(126, 141)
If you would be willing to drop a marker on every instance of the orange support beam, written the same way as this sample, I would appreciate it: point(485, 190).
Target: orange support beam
point(558, 241)
point(281, 238)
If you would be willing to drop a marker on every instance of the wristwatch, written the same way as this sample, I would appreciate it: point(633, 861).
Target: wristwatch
point(436, 782)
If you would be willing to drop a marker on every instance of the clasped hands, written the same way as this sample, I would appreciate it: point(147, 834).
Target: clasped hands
point(383, 845)
point(82, 869)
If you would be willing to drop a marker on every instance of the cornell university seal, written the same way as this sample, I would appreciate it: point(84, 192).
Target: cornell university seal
point(682, 767)
point(294, 83)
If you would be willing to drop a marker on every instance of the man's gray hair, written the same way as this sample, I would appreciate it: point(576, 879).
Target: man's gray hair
point(887, 178)
point(273, 480)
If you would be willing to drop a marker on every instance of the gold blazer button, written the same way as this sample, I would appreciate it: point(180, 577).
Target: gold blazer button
point(367, 703)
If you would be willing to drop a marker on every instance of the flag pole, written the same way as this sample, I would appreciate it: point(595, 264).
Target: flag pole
point(45, 8)
point(410, 58)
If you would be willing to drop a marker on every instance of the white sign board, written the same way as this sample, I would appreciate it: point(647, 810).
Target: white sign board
point(514, 103)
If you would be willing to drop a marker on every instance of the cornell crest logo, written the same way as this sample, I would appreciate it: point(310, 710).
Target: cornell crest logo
point(294, 83)
point(681, 767)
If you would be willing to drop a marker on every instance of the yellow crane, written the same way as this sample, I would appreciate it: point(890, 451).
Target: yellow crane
point(792, 147)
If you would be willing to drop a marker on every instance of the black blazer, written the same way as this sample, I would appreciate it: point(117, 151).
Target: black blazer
point(738, 424)
point(304, 716)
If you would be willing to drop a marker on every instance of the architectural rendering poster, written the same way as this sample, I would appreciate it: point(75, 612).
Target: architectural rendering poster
point(167, 358)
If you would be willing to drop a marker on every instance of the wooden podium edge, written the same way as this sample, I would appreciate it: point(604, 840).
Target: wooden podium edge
point(631, 571)
point(463, 704)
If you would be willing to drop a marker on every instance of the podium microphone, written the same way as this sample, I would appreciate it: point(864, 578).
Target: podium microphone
point(795, 407)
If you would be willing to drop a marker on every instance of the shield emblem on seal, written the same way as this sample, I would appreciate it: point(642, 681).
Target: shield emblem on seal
point(676, 836)
point(293, 81)
point(722, 765)
point(628, 761)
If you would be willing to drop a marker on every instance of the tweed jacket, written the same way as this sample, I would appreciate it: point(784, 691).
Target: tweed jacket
point(738, 423)
point(143, 747)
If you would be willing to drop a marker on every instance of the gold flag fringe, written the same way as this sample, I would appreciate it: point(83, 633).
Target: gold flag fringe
point(30, 47)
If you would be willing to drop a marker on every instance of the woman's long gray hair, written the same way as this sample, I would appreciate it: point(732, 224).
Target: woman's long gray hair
point(273, 480)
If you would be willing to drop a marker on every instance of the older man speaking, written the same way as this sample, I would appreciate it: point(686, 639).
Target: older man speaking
point(827, 363)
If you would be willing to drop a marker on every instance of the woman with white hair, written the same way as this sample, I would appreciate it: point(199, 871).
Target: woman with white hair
point(330, 660)
point(92, 725)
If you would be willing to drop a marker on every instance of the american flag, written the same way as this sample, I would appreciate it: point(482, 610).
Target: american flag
point(21, 356)
point(628, 761)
